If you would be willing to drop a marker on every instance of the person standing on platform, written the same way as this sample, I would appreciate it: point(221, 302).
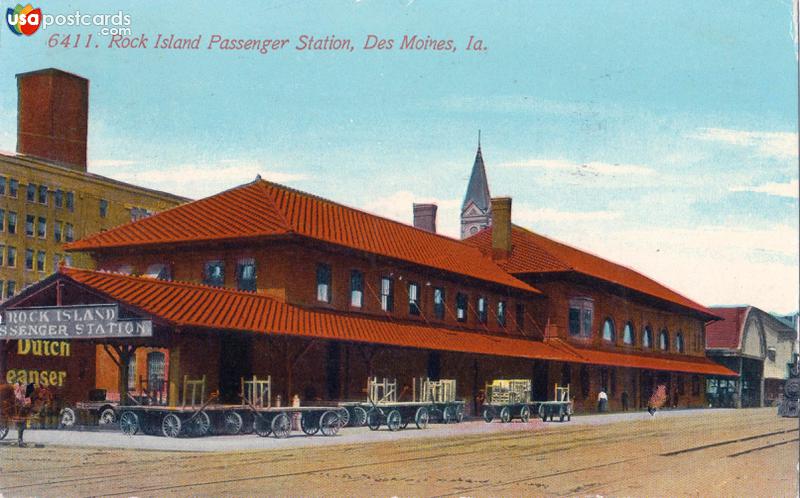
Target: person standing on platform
point(602, 401)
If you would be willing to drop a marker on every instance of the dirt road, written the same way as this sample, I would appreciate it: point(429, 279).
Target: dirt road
point(739, 453)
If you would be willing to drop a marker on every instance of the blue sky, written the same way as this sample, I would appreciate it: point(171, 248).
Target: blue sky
point(661, 135)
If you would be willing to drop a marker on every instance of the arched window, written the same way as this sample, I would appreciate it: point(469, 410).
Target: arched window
point(679, 342)
point(628, 335)
point(663, 340)
point(609, 333)
point(647, 337)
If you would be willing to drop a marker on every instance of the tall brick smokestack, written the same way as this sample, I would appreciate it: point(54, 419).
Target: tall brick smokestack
point(425, 217)
point(52, 116)
point(501, 227)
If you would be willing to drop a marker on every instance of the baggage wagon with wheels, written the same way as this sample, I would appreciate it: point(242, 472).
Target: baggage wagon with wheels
point(509, 399)
point(432, 402)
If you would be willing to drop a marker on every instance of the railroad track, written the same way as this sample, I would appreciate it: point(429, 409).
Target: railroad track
point(493, 449)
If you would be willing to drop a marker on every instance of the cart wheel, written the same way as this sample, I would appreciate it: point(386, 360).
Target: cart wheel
point(68, 417)
point(233, 423)
point(309, 423)
point(129, 423)
point(488, 415)
point(107, 417)
point(374, 419)
point(200, 424)
point(460, 414)
point(344, 417)
point(329, 423)
point(561, 415)
point(171, 425)
point(248, 423)
point(359, 416)
point(505, 415)
point(422, 417)
point(3, 430)
point(569, 417)
point(281, 425)
point(448, 415)
point(262, 426)
point(525, 414)
point(393, 420)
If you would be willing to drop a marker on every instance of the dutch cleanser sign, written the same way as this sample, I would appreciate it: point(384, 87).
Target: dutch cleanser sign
point(71, 322)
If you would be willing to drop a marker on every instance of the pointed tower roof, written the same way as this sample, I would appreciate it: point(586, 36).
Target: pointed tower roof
point(478, 188)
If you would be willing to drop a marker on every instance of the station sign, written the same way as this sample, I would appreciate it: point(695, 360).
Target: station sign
point(98, 321)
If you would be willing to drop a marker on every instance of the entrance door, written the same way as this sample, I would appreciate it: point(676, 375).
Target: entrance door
point(539, 379)
point(234, 363)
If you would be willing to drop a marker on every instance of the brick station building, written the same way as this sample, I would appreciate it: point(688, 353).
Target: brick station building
point(267, 280)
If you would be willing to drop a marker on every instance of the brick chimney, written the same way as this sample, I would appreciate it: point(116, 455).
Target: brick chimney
point(52, 116)
point(425, 217)
point(501, 227)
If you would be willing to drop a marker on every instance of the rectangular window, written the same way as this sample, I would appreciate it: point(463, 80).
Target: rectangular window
point(519, 317)
point(214, 273)
point(71, 201)
point(12, 222)
point(2, 185)
point(2, 254)
point(29, 222)
point(43, 194)
point(13, 187)
point(58, 198)
point(40, 260)
point(356, 289)
point(501, 313)
point(69, 232)
point(482, 312)
point(103, 208)
point(29, 259)
point(11, 256)
point(387, 294)
point(438, 303)
point(41, 227)
point(57, 231)
point(11, 289)
point(581, 312)
point(31, 193)
point(68, 260)
point(246, 274)
point(2, 219)
point(56, 261)
point(413, 299)
point(323, 283)
point(461, 307)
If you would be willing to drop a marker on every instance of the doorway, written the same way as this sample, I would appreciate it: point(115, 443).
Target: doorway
point(234, 363)
point(540, 381)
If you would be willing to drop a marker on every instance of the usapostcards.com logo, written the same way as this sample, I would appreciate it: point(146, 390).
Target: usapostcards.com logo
point(27, 20)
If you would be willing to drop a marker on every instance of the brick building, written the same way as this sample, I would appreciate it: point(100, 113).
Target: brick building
point(47, 196)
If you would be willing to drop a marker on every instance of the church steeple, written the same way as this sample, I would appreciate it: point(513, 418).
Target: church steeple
point(476, 211)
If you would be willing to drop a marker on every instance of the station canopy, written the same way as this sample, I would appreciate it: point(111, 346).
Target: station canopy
point(189, 305)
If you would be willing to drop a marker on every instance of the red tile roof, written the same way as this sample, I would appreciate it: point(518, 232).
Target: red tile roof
point(671, 363)
point(194, 305)
point(264, 209)
point(534, 253)
point(727, 334)
point(184, 304)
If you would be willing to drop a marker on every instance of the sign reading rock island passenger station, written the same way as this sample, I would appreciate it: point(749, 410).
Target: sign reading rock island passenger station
point(99, 321)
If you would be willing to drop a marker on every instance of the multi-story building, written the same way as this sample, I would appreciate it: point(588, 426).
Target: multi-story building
point(47, 196)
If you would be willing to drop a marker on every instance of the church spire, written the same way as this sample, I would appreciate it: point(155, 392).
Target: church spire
point(476, 209)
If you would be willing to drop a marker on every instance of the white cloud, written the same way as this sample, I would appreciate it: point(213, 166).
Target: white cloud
point(765, 143)
point(398, 206)
point(197, 180)
point(788, 189)
point(713, 265)
point(588, 169)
